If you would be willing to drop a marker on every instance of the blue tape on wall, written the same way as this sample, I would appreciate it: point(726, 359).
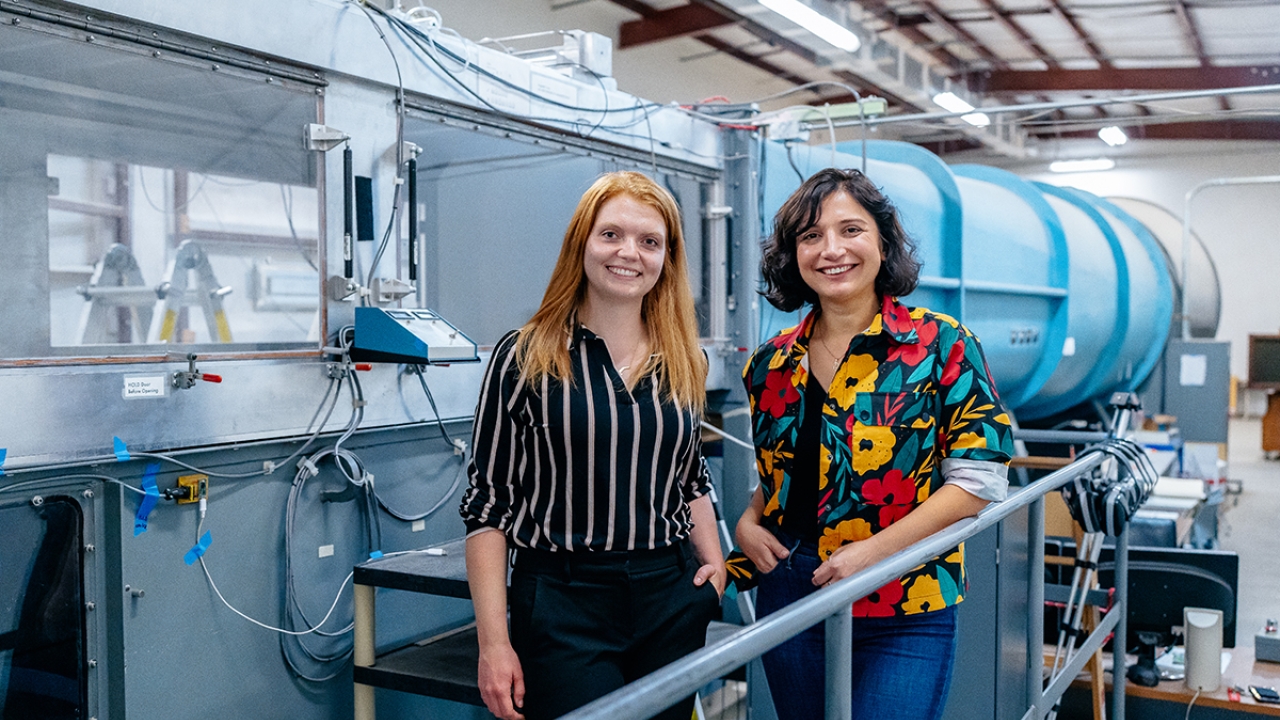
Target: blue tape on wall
point(3, 452)
point(122, 452)
point(196, 552)
point(149, 500)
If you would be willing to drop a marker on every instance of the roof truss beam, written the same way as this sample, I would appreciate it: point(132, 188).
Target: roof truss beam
point(679, 21)
point(1187, 78)
point(1195, 130)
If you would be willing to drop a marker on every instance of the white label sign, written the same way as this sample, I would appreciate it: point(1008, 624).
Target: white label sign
point(1069, 347)
point(145, 386)
point(1192, 370)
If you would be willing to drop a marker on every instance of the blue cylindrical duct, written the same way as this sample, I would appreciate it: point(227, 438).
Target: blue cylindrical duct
point(1070, 295)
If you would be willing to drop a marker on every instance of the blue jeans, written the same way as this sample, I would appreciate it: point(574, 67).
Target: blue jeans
point(901, 665)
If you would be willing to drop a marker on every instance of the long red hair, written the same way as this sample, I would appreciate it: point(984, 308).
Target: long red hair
point(667, 311)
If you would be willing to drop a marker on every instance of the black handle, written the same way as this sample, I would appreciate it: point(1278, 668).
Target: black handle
point(413, 219)
point(348, 220)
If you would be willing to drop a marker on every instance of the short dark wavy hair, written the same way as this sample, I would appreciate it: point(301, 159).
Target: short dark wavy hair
point(785, 288)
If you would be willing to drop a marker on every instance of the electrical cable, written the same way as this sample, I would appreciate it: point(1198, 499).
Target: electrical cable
point(458, 447)
point(419, 370)
point(1190, 704)
point(271, 466)
point(399, 176)
point(272, 628)
point(792, 161)
point(78, 476)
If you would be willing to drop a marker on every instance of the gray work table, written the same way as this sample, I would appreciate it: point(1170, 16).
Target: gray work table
point(443, 666)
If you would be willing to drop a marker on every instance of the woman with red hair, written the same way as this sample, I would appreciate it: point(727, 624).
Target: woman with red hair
point(587, 462)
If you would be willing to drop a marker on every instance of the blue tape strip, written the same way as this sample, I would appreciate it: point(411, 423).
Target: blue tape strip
point(149, 500)
point(3, 453)
point(375, 554)
point(196, 552)
point(122, 452)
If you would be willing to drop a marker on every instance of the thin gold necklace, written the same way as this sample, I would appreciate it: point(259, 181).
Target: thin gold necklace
point(636, 352)
point(836, 359)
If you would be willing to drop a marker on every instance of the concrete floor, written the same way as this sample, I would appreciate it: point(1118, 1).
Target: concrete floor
point(1250, 525)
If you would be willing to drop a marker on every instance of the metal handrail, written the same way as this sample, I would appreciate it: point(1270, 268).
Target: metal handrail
point(659, 690)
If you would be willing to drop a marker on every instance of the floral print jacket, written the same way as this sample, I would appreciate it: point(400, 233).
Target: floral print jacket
point(913, 394)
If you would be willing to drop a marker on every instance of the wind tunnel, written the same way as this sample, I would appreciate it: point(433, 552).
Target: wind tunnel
point(1072, 297)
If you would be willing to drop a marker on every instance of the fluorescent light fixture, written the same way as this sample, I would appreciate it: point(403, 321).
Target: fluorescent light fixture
point(1093, 165)
point(815, 22)
point(1113, 136)
point(951, 102)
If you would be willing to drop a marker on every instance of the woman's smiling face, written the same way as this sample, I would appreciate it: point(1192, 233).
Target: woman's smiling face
point(625, 252)
point(839, 256)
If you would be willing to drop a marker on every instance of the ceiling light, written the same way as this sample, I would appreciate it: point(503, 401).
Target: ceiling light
point(1094, 165)
point(815, 22)
point(1113, 136)
point(954, 103)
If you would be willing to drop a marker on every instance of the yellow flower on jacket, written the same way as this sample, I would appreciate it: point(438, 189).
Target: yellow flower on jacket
point(871, 445)
point(924, 594)
point(824, 466)
point(843, 534)
point(857, 374)
point(969, 440)
point(770, 463)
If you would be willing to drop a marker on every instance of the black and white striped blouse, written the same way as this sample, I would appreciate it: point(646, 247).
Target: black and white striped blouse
point(587, 467)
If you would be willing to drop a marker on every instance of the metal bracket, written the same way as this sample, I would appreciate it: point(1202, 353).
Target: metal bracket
point(388, 290)
point(322, 138)
point(341, 288)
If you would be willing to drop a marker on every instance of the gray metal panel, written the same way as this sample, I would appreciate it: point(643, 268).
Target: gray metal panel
point(61, 414)
point(1201, 408)
point(183, 651)
point(1011, 620)
point(497, 244)
point(974, 680)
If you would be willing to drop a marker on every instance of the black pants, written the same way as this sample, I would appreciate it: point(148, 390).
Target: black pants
point(585, 624)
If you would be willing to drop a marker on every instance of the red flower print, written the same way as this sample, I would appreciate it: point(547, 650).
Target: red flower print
point(897, 318)
point(912, 354)
point(892, 489)
point(890, 514)
point(951, 370)
point(778, 392)
point(881, 602)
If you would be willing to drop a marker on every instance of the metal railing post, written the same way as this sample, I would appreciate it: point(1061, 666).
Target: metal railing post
point(1121, 605)
point(839, 629)
point(1035, 607)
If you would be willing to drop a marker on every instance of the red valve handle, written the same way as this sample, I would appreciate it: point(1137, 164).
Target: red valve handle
point(364, 367)
point(211, 378)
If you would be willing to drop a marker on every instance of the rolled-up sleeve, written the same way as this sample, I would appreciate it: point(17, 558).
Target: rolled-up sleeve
point(487, 503)
point(977, 437)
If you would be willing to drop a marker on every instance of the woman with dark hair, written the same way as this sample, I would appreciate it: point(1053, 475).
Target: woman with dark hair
point(587, 461)
point(875, 425)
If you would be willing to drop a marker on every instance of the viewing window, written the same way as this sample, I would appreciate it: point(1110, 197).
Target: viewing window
point(149, 200)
